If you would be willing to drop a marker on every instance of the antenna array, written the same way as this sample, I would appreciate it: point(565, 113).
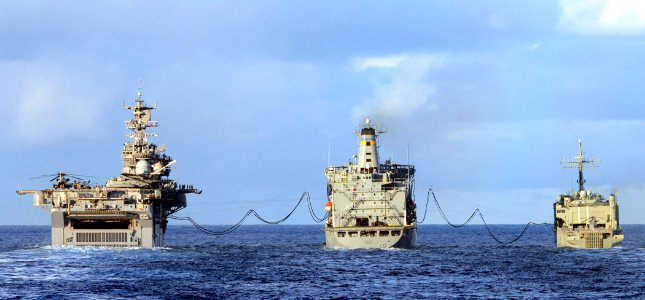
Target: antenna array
point(580, 162)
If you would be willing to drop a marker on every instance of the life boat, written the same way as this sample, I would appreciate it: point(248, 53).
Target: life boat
point(328, 206)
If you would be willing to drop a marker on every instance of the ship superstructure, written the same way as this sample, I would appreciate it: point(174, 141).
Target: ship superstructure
point(370, 204)
point(130, 210)
point(586, 219)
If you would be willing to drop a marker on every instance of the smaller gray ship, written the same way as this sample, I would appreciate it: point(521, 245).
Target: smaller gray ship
point(586, 219)
point(370, 204)
point(130, 210)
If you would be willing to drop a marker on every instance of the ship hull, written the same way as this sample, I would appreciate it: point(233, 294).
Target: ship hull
point(124, 231)
point(588, 239)
point(371, 237)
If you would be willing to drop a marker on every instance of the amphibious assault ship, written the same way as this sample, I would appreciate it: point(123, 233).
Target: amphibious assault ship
point(586, 219)
point(370, 204)
point(130, 210)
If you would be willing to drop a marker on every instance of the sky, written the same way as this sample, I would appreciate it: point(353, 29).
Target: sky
point(256, 98)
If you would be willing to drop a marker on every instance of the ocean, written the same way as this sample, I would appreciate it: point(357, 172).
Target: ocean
point(291, 262)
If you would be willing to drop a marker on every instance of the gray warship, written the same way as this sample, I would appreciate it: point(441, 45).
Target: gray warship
point(586, 219)
point(130, 210)
point(370, 205)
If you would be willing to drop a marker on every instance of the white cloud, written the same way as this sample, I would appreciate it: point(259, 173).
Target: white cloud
point(46, 111)
point(534, 46)
point(490, 131)
point(364, 63)
point(466, 131)
point(404, 91)
point(603, 16)
point(496, 21)
point(638, 44)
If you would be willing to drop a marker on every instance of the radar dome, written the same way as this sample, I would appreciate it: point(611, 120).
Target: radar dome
point(142, 168)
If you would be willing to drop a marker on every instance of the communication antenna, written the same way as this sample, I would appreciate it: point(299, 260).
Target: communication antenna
point(329, 155)
point(408, 154)
point(139, 90)
point(580, 162)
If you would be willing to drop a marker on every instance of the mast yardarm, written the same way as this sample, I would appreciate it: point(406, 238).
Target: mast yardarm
point(580, 162)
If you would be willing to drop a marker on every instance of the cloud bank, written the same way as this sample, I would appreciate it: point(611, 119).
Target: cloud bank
point(402, 89)
point(603, 16)
point(45, 110)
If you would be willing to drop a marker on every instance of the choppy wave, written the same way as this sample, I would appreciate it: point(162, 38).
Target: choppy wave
point(291, 262)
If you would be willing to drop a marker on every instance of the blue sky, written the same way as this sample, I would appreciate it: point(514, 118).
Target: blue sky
point(490, 96)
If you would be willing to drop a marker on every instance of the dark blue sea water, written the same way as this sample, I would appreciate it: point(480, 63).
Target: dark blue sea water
point(291, 262)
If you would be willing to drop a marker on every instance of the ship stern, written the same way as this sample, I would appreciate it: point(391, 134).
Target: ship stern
point(371, 237)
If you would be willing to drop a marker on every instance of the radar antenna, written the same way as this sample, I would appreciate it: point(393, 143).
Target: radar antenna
point(141, 120)
point(580, 162)
point(139, 87)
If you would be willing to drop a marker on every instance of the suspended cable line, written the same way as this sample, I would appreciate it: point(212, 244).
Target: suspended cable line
point(481, 216)
point(250, 212)
point(425, 213)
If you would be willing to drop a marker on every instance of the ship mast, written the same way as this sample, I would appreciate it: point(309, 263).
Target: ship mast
point(140, 121)
point(580, 162)
point(138, 153)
